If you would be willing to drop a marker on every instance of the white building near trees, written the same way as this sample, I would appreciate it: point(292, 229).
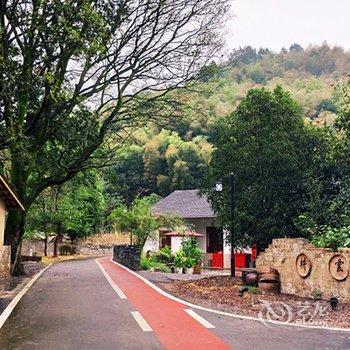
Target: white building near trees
point(196, 211)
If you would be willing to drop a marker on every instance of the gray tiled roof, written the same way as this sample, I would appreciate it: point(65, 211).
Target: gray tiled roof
point(186, 204)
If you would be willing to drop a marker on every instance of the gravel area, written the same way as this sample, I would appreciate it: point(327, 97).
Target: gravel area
point(170, 277)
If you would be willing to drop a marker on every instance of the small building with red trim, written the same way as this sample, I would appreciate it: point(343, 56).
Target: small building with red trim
point(8, 201)
point(196, 211)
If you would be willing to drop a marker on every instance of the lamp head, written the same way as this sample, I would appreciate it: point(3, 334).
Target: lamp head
point(218, 187)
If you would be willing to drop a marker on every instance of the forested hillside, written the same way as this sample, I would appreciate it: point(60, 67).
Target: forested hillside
point(160, 160)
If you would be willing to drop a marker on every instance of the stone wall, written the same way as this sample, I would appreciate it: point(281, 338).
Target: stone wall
point(36, 247)
point(127, 255)
point(5, 261)
point(306, 270)
point(90, 249)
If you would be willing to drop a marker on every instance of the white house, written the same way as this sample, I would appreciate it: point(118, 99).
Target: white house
point(197, 211)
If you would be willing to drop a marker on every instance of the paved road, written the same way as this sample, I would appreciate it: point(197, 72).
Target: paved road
point(72, 306)
point(248, 335)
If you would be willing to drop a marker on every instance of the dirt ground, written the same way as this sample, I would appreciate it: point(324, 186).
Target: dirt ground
point(222, 293)
point(107, 239)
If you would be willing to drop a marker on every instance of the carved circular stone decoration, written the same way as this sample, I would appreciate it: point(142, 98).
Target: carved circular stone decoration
point(303, 265)
point(338, 267)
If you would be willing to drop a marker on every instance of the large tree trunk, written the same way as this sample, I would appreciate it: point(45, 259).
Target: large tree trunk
point(15, 223)
point(57, 240)
point(13, 236)
point(45, 244)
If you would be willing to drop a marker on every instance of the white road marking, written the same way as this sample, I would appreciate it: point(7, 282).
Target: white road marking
point(110, 281)
point(10, 307)
point(199, 319)
point(141, 321)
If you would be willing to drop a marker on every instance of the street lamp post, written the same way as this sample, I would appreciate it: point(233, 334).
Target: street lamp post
point(219, 188)
point(232, 204)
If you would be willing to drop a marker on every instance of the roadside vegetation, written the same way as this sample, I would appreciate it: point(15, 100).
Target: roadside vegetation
point(164, 260)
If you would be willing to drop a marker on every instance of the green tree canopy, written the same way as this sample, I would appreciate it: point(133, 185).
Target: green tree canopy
point(75, 208)
point(158, 162)
point(271, 152)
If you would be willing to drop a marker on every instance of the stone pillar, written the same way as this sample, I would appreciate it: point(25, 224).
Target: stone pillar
point(2, 221)
point(127, 255)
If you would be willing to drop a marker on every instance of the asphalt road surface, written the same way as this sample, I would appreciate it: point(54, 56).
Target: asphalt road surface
point(73, 306)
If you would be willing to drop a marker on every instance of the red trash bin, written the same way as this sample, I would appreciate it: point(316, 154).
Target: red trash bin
point(240, 260)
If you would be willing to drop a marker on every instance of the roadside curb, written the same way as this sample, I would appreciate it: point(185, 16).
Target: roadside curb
point(223, 313)
point(10, 307)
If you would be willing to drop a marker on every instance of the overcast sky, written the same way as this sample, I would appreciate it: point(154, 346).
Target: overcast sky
point(279, 23)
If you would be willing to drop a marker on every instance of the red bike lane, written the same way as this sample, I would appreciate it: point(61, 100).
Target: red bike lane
point(174, 328)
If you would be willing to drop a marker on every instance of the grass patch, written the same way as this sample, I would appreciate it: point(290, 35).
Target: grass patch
point(254, 290)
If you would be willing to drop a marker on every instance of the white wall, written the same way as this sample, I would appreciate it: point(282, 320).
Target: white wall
point(176, 243)
point(227, 251)
point(227, 245)
point(200, 226)
point(151, 244)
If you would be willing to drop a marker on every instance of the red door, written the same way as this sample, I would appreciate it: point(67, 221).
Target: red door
point(218, 260)
point(215, 246)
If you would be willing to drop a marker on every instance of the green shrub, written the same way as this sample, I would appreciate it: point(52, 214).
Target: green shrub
point(180, 259)
point(191, 251)
point(150, 263)
point(145, 263)
point(254, 290)
point(190, 262)
point(331, 237)
point(160, 267)
point(164, 256)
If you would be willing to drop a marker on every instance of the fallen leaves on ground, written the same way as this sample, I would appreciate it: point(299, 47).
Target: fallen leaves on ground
point(46, 260)
point(221, 293)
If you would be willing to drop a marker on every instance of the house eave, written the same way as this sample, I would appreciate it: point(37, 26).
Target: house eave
point(9, 196)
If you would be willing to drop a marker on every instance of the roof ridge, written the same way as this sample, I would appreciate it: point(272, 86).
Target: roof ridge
point(186, 204)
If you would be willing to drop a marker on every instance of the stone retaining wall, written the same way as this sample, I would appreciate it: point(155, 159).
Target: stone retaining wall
point(324, 276)
point(37, 248)
point(100, 249)
point(127, 255)
point(5, 261)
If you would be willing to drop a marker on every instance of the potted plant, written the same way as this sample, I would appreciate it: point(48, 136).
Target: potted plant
point(179, 261)
point(189, 265)
point(197, 269)
point(193, 254)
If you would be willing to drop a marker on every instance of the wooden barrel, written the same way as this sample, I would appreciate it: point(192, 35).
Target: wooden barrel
point(269, 277)
point(266, 269)
point(269, 283)
point(251, 279)
point(272, 287)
